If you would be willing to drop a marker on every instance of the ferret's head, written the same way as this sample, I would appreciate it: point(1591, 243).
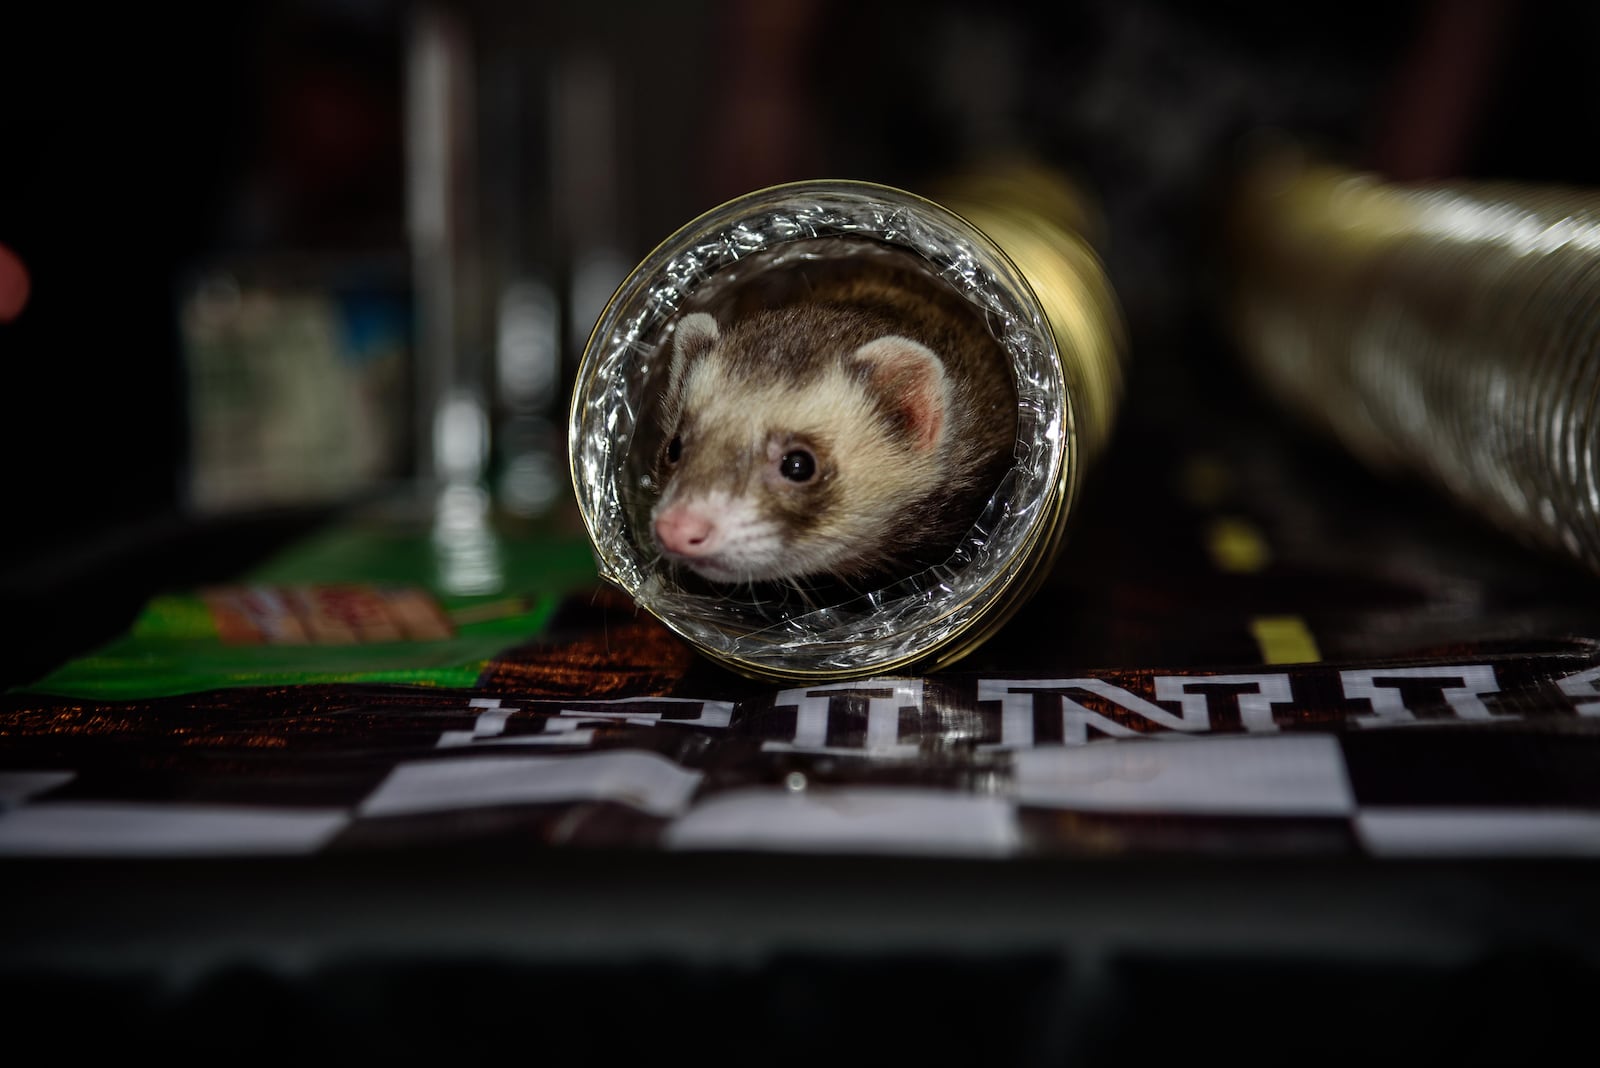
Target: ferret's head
point(794, 440)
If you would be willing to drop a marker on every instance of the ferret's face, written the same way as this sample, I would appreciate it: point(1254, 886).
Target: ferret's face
point(769, 476)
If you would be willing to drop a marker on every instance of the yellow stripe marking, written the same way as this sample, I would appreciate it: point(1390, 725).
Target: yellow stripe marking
point(1284, 640)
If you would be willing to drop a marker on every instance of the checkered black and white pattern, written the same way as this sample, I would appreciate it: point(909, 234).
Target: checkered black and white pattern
point(1496, 757)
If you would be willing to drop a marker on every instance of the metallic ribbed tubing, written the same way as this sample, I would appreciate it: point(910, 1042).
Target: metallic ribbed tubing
point(1446, 330)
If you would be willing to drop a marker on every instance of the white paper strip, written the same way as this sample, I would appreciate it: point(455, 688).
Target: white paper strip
point(17, 786)
point(1414, 832)
point(115, 828)
point(1276, 775)
point(881, 820)
point(633, 777)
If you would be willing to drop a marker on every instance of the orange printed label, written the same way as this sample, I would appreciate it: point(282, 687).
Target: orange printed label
point(325, 615)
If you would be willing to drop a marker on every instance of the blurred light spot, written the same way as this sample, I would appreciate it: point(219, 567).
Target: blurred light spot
point(1237, 546)
point(460, 438)
point(596, 276)
point(530, 484)
point(528, 344)
point(14, 285)
point(1511, 226)
point(465, 550)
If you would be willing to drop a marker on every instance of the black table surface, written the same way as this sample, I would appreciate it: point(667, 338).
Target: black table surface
point(457, 947)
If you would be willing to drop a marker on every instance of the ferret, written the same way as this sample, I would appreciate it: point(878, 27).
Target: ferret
point(854, 434)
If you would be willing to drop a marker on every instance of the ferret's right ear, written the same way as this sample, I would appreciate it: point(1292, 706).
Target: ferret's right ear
point(691, 339)
point(912, 379)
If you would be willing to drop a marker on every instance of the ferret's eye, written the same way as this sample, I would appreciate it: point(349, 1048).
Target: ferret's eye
point(797, 466)
point(675, 449)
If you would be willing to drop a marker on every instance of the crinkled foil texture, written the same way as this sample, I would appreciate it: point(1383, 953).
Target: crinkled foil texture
point(624, 369)
point(1448, 330)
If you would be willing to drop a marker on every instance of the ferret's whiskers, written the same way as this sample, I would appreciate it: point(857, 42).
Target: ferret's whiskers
point(804, 596)
point(851, 588)
point(726, 595)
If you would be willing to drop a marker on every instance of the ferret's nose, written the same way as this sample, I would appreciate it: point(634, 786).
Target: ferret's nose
point(686, 532)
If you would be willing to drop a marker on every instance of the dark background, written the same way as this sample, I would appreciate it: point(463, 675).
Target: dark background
point(137, 141)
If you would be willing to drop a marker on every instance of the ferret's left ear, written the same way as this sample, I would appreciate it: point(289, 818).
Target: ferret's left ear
point(691, 339)
point(913, 380)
